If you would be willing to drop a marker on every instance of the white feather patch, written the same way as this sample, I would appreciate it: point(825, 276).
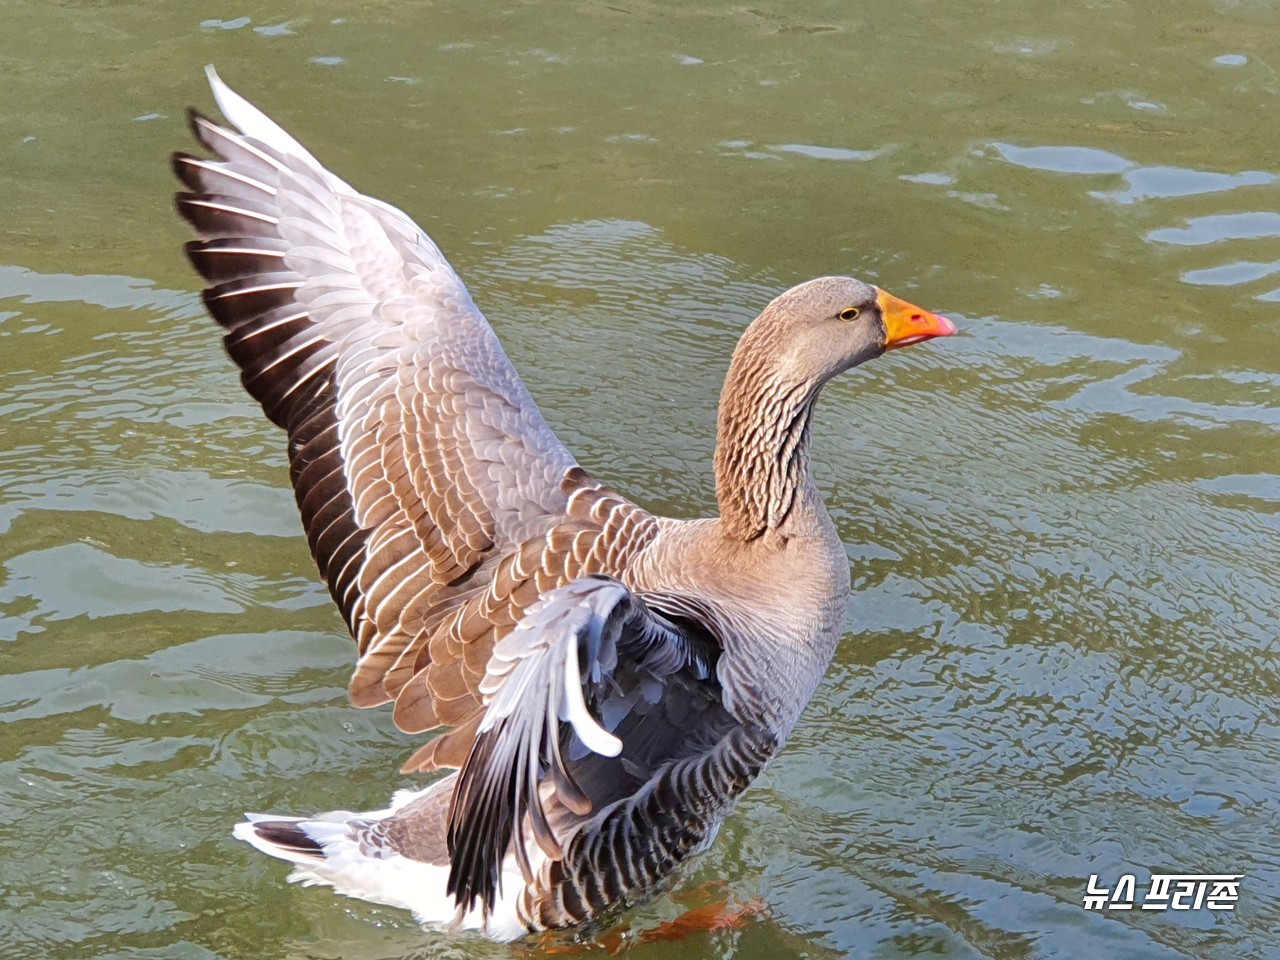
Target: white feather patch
point(596, 737)
point(251, 121)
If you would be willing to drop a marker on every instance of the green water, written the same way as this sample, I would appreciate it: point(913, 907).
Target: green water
point(1062, 653)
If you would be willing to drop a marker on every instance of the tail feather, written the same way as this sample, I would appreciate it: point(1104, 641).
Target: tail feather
point(280, 836)
point(357, 855)
point(288, 835)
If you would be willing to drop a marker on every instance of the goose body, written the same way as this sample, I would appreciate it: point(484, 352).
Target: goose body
point(606, 682)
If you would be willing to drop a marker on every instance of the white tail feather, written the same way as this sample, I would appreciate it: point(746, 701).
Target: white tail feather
point(386, 876)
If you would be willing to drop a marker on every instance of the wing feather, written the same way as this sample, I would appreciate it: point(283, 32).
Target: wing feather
point(417, 454)
point(544, 680)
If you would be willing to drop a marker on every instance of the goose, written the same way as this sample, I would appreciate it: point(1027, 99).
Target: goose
point(606, 682)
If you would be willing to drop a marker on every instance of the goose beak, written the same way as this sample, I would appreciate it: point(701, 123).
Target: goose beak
point(905, 323)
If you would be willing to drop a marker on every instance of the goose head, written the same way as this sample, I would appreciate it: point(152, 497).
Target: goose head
point(826, 326)
point(801, 340)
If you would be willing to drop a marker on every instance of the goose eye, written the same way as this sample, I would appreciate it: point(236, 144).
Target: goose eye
point(849, 313)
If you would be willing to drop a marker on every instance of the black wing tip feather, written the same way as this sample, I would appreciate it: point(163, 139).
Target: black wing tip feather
point(181, 162)
point(219, 259)
point(497, 790)
point(238, 240)
point(481, 824)
point(195, 120)
point(193, 249)
point(182, 203)
point(183, 165)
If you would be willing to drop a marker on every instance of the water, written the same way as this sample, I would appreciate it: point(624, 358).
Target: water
point(1062, 654)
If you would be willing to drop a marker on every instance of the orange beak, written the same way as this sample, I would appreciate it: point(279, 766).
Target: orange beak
point(905, 323)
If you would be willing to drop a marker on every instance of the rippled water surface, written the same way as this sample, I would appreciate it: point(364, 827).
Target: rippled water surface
point(1063, 525)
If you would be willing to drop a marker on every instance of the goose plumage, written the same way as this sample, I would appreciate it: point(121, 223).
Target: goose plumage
point(607, 682)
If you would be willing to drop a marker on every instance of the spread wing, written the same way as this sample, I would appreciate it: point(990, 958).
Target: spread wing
point(417, 455)
point(589, 648)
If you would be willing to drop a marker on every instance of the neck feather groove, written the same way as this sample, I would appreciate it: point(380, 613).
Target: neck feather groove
point(762, 447)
